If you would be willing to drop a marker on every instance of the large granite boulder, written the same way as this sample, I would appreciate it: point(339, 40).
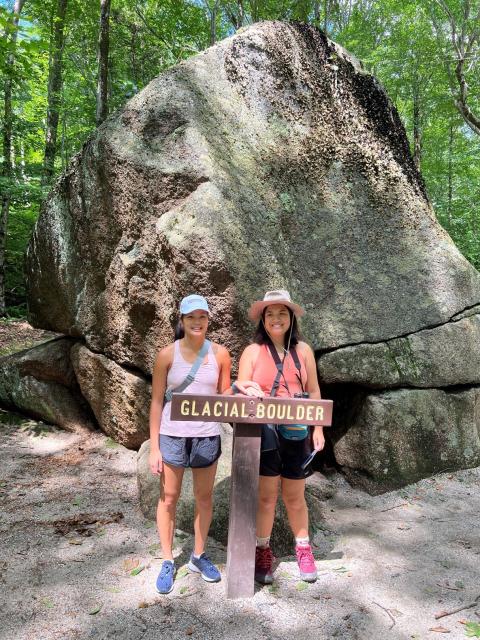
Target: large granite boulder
point(41, 382)
point(271, 160)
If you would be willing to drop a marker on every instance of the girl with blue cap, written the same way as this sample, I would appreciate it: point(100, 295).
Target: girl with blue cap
point(175, 445)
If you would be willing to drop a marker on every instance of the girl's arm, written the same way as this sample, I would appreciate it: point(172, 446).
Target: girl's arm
point(162, 364)
point(313, 389)
point(245, 383)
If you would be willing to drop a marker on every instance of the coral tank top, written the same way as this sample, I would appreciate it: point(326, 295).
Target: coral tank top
point(265, 371)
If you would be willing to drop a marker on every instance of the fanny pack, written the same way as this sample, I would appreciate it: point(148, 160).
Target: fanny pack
point(293, 431)
point(288, 431)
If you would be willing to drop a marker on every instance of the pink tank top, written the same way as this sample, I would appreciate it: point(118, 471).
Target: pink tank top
point(265, 371)
point(206, 381)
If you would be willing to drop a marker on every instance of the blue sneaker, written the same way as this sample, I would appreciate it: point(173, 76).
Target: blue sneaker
point(165, 577)
point(205, 567)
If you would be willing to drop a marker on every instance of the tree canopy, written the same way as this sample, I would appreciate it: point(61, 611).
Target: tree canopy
point(426, 54)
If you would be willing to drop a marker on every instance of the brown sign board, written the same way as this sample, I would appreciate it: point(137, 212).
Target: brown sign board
point(239, 408)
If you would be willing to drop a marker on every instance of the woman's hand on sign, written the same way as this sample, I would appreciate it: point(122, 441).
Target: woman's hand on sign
point(250, 388)
point(318, 438)
point(155, 461)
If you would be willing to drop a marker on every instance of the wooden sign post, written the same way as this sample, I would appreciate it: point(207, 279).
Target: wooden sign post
point(247, 414)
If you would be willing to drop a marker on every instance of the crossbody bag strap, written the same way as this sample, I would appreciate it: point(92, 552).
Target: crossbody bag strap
point(191, 374)
point(279, 365)
point(298, 366)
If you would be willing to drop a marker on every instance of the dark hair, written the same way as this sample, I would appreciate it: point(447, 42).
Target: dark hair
point(179, 329)
point(261, 336)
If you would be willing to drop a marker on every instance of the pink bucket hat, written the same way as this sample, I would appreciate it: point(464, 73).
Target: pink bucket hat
point(274, 297)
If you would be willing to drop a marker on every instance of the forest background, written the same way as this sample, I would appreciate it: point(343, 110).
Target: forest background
point(66, 64)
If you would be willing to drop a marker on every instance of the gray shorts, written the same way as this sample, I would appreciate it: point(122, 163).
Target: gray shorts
point(190, 452)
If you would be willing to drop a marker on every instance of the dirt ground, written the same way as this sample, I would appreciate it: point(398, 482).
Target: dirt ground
point(78, 560)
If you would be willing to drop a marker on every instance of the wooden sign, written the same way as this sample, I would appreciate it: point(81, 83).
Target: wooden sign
point(222, 408)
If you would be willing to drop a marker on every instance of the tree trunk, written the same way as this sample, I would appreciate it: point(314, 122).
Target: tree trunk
point(450, 176)
point(213, 24)
point(54, 92)
point(7, 173)
point(102, 57)
point(417, 130)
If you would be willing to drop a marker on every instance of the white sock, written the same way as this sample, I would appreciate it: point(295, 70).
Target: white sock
point(197, 557)
point(263, 543)
point(302, 542)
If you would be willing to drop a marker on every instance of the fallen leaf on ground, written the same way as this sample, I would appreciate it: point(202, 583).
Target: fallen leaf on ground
point(130, 563)
point(75, 541)
point(182, 572)
point(48, 603)
point(183, 589)
point(114, 589)
point(95, 610)
point(301, 586)
point(189, 631)
point(143, 605)
point(440, 614)
point(440, 629)
point(137, 570)
point(404, 527)
point(472, 629)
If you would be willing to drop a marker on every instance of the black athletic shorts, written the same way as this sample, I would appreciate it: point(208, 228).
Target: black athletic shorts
point(286, 461)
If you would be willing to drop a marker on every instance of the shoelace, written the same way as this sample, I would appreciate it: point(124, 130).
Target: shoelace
point(205, 560)
point(265, 557)
point(304, 555)
point(166, 569)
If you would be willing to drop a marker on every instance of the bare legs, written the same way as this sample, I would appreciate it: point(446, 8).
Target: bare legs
point(170, 487)
point(203, 480)
point(293, 495)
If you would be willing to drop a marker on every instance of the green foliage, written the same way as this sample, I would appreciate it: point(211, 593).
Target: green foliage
point(405, 43)
point(472, 629)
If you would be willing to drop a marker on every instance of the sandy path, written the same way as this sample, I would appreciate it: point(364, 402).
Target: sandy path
point(387, 564)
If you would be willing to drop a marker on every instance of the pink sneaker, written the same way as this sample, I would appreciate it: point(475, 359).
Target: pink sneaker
point(306, 563)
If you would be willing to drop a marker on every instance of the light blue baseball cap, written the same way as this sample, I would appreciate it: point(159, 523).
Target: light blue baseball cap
point(193, 303)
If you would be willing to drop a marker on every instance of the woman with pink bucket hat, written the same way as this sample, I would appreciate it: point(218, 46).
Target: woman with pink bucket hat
point(283, 366)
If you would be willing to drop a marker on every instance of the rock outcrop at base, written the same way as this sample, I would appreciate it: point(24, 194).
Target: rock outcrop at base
point(41, 382)
point(271, 160)
point(120, 399)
